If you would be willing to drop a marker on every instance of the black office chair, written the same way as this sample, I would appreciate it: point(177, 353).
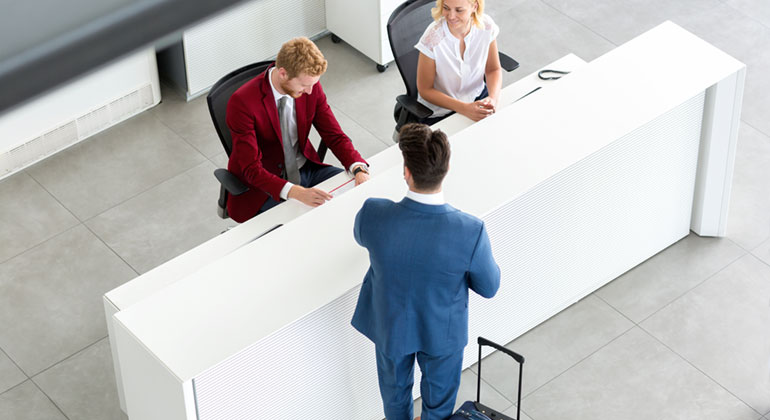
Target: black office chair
point(405, 27)
point(217, 99)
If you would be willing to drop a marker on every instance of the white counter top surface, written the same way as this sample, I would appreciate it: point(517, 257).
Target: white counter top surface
point(252, 292)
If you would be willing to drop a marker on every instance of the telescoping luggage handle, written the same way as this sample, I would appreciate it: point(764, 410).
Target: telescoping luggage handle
point(516, 356)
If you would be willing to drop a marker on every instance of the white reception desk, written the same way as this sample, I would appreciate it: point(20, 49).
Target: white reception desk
point(577, 184)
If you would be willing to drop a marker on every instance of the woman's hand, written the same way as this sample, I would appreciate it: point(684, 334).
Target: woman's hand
point(491, 102)
point(479, 110)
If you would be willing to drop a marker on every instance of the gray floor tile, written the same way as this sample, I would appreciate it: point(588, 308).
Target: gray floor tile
point(731, 30)
point(467, 391)
point(721, 328)
point(747, 40)
point(757, 9)
point(634, 377)
point(621, 20)
point(554, 346)
point(511, 412)
point(28, 215)
point(96, 174)
point(748, 222)
point(354, 86)
point(27, 402)
point(365, 142)
point(763, 252)
point(219, 160)
point(165, 221)
point(660, 280)
point(83, 386)
point(190, 120)
point(10, 374)
point(51, 298)
point(535, 34)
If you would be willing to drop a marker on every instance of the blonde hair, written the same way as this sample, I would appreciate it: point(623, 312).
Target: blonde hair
point(301, 55)
point(475, 16)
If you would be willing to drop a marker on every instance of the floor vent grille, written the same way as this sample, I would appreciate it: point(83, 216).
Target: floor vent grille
point(76, 130)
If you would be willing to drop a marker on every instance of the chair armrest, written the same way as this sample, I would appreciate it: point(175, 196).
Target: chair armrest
point(507, 63)
point(230, 182)
point(415, 108)
point(322, 148)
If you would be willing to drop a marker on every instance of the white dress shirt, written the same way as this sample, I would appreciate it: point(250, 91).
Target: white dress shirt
point(301, 159)
point(461, 77)
point(435, 199)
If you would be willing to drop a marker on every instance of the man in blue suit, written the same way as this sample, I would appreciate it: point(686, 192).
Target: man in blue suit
point(424, 256)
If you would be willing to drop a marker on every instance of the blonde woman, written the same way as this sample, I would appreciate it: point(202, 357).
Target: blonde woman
point(457, 51)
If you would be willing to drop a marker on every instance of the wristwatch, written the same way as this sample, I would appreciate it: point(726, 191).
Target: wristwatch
point(360, 168)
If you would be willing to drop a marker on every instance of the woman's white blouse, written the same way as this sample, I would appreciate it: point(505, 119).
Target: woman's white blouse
point(460, 78)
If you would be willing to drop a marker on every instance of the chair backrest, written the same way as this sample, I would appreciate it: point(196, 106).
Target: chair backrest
point(220, 93)
point(405, 27)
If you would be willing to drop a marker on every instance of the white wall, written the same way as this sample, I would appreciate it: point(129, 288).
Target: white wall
point(78, 110)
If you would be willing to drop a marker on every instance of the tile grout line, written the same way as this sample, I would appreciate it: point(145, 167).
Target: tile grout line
point(52, 236)
point(581, 360)
point(766, 135)
point(681, 295)
point(697, 369)
point(613, 307)
point(38, 245)
point(69, 357)
point(528, 394)
point(147, 189)
point(744, 13)
point(50, 399)
point(83, 222)
point(15, 386)
point(362, 127)
point(511, 403)
point(112, 250)
point(163, 123)
point(693, 288)
point(86, 220)
point(17, 367)
point(29, 174)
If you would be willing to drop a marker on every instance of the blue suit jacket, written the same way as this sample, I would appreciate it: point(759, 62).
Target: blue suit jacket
point(423, 259)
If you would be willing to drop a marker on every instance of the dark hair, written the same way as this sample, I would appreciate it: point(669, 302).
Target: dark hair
point(426, 154)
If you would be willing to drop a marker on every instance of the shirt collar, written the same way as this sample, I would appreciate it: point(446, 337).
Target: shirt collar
point(448, 33)
point(436, 199)
point(277, 95)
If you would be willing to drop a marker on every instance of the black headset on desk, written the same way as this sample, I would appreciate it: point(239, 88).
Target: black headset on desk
point(557, 74)
point(543, 75)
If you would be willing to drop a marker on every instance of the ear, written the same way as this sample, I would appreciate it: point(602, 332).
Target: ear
point(282, 73)
point(407, 173)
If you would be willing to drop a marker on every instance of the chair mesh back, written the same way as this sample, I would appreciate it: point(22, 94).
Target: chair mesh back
point(220, 93)
point(405, 27)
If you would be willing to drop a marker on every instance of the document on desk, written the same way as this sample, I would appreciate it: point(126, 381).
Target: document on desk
point(341, 189)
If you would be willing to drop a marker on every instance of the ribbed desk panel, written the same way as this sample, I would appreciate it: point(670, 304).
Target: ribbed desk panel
point(576, 231)
point(594, 221)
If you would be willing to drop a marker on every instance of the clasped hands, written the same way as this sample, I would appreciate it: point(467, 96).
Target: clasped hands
point(314, 197)
point(480, 109)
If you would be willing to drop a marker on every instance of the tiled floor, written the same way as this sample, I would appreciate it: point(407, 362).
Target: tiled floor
point(685, 335)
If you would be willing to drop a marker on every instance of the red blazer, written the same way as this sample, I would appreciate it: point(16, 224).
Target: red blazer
point(257, 155)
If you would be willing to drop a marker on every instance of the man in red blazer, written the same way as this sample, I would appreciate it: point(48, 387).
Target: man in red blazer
point(269, 119)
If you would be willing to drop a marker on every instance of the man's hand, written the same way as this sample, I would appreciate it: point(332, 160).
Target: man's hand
point(478, 110)
point(361, 177)
point(313, 197)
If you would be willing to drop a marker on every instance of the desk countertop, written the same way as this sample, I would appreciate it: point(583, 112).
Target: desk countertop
point(259, 288)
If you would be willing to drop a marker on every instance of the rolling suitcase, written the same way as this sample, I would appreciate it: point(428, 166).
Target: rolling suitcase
point(475, 410)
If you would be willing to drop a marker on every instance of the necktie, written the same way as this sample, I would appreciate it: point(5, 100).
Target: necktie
point(289, 154)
